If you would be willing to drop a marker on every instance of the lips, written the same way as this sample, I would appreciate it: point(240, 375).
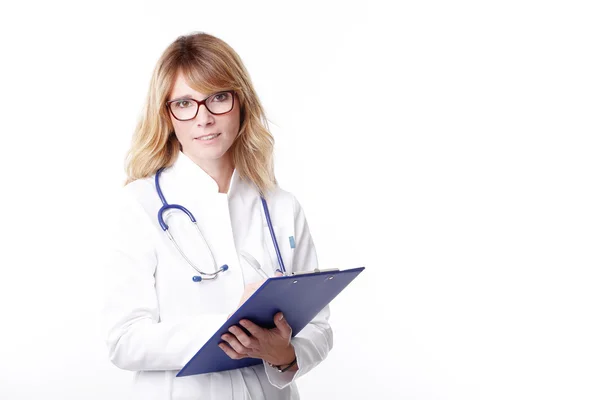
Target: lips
point(209, 136)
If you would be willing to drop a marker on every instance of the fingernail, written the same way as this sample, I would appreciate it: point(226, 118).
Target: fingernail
point(281, 317)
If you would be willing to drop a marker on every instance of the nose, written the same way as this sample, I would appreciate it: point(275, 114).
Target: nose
point(204, 117)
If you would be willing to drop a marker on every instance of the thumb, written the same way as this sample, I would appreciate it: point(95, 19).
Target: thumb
point(282, 325)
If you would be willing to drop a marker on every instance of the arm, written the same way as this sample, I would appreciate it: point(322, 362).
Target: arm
point(314, 342)
point(136, 338)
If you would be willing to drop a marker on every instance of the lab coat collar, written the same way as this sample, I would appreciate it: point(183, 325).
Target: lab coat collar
point(188, 174)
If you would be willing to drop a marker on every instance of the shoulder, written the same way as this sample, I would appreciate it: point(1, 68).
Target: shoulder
point(138, 189)
point(132, 218)
point(284, 202)
point(280, 195)
point(139, 195)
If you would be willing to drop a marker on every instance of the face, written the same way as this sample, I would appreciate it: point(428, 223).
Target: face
point(192, 134)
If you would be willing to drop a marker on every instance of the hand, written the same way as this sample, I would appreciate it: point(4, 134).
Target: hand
point(272, 345)
point(249, 291)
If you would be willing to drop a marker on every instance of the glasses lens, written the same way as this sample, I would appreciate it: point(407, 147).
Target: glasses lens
point(220, 103)
point(184, 109)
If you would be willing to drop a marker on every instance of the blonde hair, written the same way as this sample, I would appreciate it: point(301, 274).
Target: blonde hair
point(209, 65)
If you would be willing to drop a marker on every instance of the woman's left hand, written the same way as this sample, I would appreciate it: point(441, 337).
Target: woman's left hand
point(272, 345)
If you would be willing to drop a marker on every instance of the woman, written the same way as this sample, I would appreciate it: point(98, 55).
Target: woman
point(204, 132)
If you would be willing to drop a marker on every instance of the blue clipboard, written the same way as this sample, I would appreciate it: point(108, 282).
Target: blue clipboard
point(300, 297)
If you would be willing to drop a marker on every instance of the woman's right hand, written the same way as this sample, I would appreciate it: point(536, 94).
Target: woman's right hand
point(249, 291)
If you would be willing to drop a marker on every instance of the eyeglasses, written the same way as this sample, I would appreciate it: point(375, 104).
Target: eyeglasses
point(217, 104)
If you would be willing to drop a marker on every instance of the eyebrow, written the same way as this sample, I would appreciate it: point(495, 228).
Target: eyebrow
point(189, 96)
point(185, 96)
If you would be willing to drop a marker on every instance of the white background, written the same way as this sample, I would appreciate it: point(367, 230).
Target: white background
point(449, 147)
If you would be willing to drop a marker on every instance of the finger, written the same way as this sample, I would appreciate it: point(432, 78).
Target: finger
point(278, 272)
point(231, 352)
point(254, 329)
point(235, 344)
point(253, 286)
point(246, 341)
point(282, 325)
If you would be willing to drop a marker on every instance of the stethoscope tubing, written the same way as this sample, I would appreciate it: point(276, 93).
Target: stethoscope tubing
point(204, 275)
point(275, 244)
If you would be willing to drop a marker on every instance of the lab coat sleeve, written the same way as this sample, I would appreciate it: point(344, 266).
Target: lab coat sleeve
point(313, 343)
point(136, 338)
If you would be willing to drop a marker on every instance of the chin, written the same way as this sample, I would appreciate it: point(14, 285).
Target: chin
point(208, 155)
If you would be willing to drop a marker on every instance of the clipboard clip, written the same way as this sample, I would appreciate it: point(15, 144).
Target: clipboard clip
point(314, 271)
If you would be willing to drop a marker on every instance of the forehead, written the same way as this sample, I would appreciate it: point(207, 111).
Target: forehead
point(182, 88)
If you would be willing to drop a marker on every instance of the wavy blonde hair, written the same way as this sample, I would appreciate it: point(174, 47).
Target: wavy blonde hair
point(209, 65)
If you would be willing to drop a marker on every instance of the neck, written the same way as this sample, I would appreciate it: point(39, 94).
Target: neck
point(220, 170)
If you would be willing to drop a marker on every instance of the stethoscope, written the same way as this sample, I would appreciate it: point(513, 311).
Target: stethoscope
point(204, 275)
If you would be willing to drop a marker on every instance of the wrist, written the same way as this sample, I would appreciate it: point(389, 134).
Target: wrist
point(292, 366)
point(286, 356)
point(290, 355)
point(287, 359)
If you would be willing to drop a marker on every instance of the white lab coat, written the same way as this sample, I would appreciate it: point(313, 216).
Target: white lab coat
point(157, 318)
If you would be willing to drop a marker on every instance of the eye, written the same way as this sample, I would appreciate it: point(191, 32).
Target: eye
point(183, 104)
point(220, 97)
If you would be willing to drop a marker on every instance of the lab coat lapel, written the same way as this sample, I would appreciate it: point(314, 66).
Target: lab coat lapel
point(186, 184)
point(186, 180)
